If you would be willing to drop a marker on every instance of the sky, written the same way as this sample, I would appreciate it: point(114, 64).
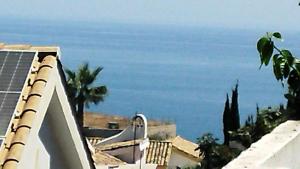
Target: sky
point(271, 14)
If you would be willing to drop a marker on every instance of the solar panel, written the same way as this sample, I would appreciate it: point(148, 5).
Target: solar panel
point(14, 68)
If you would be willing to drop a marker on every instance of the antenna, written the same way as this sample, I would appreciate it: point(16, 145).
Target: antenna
point(134, 135)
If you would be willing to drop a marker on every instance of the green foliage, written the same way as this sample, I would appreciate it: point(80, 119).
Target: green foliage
point(231, 117)
point(159, 136)
point(235, 109)
point(286, 67)
point(266, 120)
point(80, 88)
point(226, 121)
point(215, 155)
point(206, 143)
point(80, 84)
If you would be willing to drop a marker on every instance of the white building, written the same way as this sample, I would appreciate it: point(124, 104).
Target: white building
point(173, 154)
point(126, 149)
point(40, 128)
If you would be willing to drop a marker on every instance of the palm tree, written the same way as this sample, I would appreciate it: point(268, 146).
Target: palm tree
point(81, 91)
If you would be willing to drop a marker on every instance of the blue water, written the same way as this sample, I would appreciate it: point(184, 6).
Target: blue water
point(172, 73)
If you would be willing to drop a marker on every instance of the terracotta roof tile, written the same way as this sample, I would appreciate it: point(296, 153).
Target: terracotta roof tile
point(186, 147)
point(15, 140)
point(102, 158)
point(159, 152)
point(117, 145)
point(94, 140)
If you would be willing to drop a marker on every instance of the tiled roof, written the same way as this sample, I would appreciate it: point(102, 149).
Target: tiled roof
point(159, 152)
point(15, 139)
point(186, 147)
point(26, 108)
point(102, 158)
point(117, 145)
point(94, 140)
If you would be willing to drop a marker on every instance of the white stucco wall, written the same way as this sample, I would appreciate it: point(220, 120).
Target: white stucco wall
point(49, 152)
point(54, 141)
point(180, 160)
point(278, 150)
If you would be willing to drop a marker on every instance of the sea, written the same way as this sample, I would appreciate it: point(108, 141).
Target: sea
point(175, 73)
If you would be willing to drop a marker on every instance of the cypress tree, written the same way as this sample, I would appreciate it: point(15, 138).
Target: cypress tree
point(235, 109)
point(226, 121)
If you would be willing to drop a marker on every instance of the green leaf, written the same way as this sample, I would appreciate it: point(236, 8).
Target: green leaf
point(275, 57)
point(267, 52)
point(297, 67)
point(294, 80)
point(276, 68)
point(286, 70)
point(277, 35)
point(288, 56)
point(261, 43)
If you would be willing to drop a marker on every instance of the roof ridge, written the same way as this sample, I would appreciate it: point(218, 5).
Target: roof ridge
point(164, 141)
point(52, 48)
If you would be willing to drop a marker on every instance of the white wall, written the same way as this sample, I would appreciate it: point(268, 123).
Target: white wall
point(279, 149)
point(179, 159)
point(136, 130)
point(54, 141)
point(126, 154)
point(50, 152)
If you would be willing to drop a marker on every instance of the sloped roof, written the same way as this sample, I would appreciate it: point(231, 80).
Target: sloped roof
point(15, 139)
point(118, 145)
point(94, 140)
point(159, 152)
point(102, 158)
point(186, 147)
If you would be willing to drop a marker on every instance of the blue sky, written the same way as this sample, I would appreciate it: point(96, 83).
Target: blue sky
point(272, 14)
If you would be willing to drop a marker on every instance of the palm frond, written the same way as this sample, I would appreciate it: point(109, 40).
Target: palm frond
point(96, 72)
point(70, 74)
point(96, 94)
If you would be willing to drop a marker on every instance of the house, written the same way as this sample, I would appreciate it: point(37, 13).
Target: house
point(172, 154)
point(126, 149)
point(38, 129)
point(100, 125)
point(132, 149)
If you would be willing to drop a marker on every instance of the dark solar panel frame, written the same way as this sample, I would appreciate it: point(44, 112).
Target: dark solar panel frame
point(14, 68)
